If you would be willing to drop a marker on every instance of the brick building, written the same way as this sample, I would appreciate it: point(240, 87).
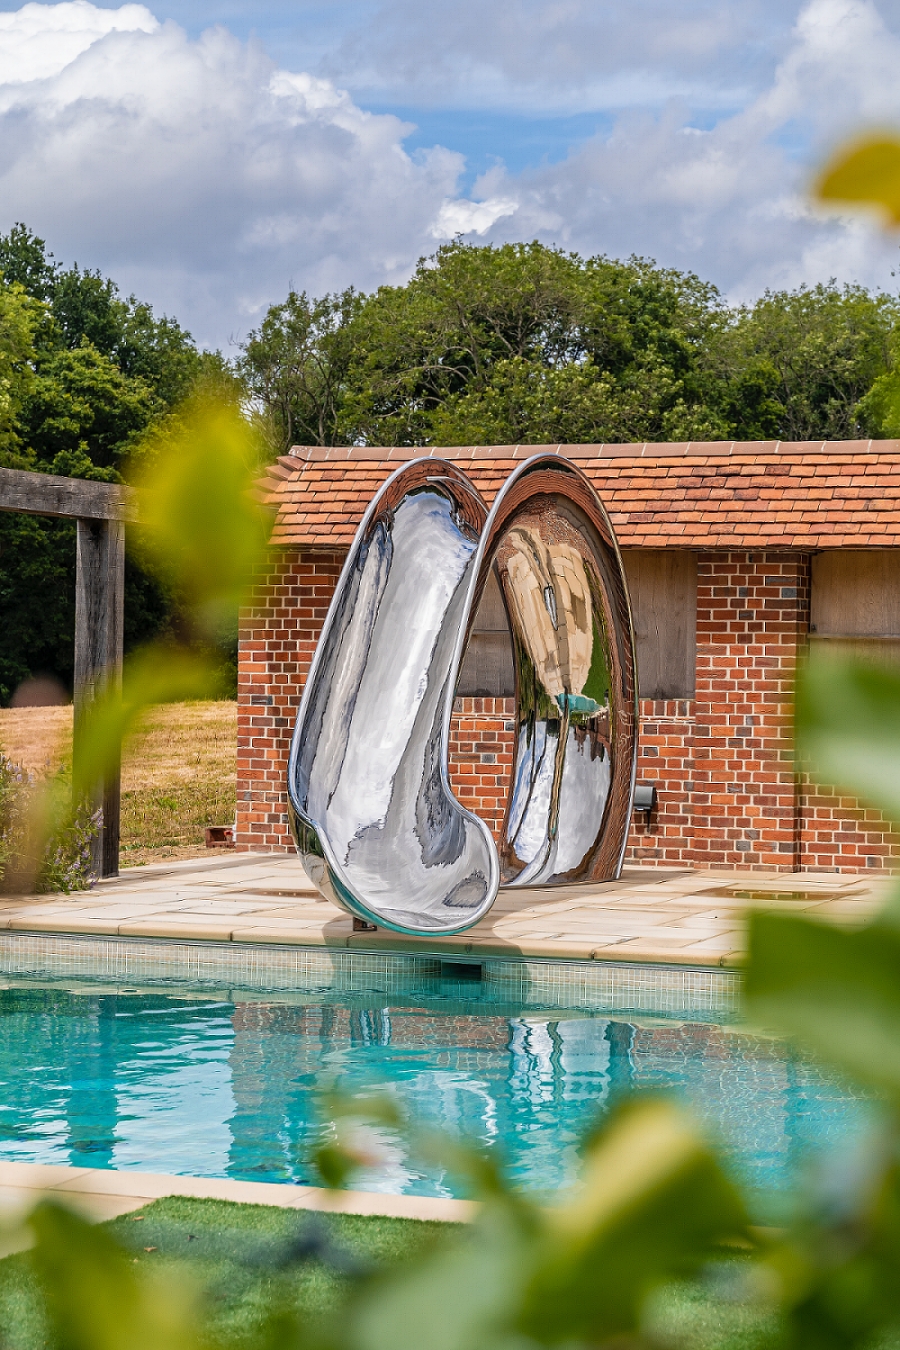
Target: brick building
point(737, 556)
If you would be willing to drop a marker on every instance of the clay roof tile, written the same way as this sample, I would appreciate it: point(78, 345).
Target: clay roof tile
point(710, 495)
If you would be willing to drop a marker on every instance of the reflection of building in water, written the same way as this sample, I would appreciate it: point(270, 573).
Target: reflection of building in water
point(114, 1080)
point(210, 1088)
point(57, 1068)
point(528, 1086)
point(279, 1055)
point(283, 1054)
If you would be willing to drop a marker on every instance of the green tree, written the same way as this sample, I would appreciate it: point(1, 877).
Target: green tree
point(296, 365)
point(37, 600)
point(83, 374)
point(796, 365)
point(528, 344)
point(83, 412)
point(25, 262)
point(103, 366)
point(525, 343)
point(20, 317)
point(516, 343)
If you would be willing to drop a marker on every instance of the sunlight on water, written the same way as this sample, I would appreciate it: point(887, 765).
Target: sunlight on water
point(194, 1084)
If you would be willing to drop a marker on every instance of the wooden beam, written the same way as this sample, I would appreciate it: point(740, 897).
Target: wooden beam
point(99, 612)
point(44, 494)
point(100, 510)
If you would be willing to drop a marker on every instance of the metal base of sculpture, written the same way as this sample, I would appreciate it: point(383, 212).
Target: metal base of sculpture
point(375, 820)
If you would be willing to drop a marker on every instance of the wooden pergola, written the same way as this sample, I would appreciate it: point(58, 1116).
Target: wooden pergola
point(100, 511)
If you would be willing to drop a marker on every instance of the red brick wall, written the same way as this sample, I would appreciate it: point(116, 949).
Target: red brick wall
point(665, 759)
point(481, 756)
point(752, 612)
point(722, 762)
point(837, 834)
point(278, 637)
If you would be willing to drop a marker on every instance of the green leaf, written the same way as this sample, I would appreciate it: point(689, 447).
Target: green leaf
point(867, 172)
point(653, 1205)
point(463, 1298)
point(353, 1123)
point(335, 1164)
point(203, 528)
point(379, 1108)
point(96, 1298)
point(848, 727)
point(838, 991)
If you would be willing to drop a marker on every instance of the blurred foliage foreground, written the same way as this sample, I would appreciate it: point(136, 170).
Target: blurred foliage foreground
point(654, 1208)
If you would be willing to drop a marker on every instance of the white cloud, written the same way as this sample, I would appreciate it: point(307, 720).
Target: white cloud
point(732, 203)
point(206, 178)
point(562, 55)
point(197, 172)
point(36, 43)
point(465, 217)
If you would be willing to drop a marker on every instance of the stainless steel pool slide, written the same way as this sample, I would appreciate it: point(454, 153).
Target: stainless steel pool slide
point(376, 822)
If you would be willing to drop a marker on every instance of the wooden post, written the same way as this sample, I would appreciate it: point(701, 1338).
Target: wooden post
point(100, 510)
point(99, 612)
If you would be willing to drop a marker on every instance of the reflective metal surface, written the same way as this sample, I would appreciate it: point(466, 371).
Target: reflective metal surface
point(563, 582)
point(375, 821)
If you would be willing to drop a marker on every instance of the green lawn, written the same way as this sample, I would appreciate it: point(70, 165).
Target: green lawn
point(233, 1252)
point(236, 1253)
point(178, 771)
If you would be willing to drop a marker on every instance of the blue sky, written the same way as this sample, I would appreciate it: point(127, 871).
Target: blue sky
point(208, 155)
point(521, 122)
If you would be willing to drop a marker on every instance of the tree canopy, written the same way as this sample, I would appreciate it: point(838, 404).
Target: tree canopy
point(513, 343)
point(83, 373)
point(521, 343)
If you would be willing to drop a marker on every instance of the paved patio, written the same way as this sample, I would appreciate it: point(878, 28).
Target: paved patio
point(649, 915)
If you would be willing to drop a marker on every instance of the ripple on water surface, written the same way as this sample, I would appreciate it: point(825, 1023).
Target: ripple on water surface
point(206, 1085)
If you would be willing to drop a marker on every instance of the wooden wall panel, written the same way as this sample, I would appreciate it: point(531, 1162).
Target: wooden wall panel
point(856, 594)
point(663, 588)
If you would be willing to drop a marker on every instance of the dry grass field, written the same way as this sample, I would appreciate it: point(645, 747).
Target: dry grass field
point(178, 771)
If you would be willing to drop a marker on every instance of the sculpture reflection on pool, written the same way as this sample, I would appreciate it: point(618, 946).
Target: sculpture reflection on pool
point(204, 1084)
point(376, 822)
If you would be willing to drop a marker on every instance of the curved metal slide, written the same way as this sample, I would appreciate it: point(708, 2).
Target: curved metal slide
point(375, 819)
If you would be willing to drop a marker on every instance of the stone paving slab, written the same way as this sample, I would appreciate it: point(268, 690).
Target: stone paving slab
point(648, 915)
point(99, 1195)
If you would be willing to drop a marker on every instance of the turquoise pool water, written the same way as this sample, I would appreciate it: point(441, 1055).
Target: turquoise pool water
point(226, 1085)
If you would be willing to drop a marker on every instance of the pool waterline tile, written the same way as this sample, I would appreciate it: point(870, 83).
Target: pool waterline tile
point(254, 921)
point(546, 984)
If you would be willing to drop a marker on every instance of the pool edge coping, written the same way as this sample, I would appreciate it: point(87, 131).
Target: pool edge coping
point(471, 954)
point(102, 1193)
point(530, 982)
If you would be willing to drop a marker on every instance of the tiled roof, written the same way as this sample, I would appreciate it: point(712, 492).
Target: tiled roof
point(721, 494)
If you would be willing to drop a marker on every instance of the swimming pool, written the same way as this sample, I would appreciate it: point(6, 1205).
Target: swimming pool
point(226, 1084)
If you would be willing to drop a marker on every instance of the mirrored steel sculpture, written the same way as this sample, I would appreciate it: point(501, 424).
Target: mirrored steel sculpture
point(374, 816)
